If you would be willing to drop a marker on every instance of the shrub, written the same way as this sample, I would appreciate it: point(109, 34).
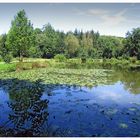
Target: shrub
point(1, 59)
point(83, 58)
point(125, 57)
point(60, 58)
point(23, 66)
point(74, 61)
point(120, 58)
point(90, 61)
point(7, 58)
point(39, 65)
point(7, 67)
point(133, 59)
point(35, 65)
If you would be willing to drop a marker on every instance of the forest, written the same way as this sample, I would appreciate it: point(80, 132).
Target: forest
point(22, 40)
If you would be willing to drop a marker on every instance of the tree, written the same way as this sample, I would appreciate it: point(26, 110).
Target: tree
point(48, 41)
point(110, 46)
point(87, 43)
point(5, 53)
point(132, 43)
point(60, 46)
point(72, 45)
point(3, 49)
point(20, 36)
point(35, 50)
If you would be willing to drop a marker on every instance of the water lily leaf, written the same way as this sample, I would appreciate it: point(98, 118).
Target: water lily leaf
point(123, 125)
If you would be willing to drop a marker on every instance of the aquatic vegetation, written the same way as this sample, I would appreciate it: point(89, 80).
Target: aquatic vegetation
point(132, 109)
point(82, 77)
point(111, 111)
point(123, 125)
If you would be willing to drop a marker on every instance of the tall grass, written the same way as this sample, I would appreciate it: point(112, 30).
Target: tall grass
point(7, 67)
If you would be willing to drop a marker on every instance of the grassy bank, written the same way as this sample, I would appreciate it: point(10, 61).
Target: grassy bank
point(71, 71)
point(32, 63)
point(7, 67)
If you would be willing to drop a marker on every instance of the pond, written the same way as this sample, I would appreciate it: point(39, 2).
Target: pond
point(36, 109)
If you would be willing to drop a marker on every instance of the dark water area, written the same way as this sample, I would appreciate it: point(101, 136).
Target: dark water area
point(34, 109)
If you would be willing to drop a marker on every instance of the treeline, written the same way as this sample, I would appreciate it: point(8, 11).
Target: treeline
point(23, 40)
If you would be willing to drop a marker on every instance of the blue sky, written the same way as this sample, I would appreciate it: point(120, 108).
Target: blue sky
point(108, 19)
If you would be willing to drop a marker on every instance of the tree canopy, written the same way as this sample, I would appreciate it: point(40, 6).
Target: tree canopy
point(20, 36)
point(23, 40)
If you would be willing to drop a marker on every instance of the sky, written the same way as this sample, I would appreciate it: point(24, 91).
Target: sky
point(107, 18)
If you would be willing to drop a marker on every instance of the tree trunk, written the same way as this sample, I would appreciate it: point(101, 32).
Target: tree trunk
point(21, 57)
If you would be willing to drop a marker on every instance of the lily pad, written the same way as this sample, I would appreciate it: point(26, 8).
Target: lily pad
point(132, 109)
point(123, 125)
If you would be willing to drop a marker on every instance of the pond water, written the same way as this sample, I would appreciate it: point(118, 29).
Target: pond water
point(33, 109)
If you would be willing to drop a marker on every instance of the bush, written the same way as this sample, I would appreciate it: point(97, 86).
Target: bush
point(120, 58)
point(39, 65)
point(7, 58)
point(7, 67)
point(74, 61)
point(28, 65)
point(125, 57)
point(23, 66)
point(133, 59)
point(1, 59)
point(60, 58)
point(83, 58)
point(90, 61)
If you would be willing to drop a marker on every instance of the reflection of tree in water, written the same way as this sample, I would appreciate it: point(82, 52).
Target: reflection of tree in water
point(130, 79)
point(29, 112)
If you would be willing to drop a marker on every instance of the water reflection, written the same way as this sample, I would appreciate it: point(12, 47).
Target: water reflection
point(28, 112)
point(130, 80)
point(37, 109)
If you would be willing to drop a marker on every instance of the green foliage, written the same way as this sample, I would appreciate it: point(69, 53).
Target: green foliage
point(83, 54)
point(133, 59)
point(113, 62)
point(7, 67)
point(23, 66)
point(60, 58)
point(39, 65)
point(48, 41)
point(72, 45)
point(5, 54)
point(20, 36)
point(23, 40)
point(7, 58)
point(1, 59)
point(110, 46)
point(90, 61)
point(74, 61)
point(132, 43)
point(30, 65)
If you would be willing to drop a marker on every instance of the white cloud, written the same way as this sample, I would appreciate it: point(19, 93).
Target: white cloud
point(107, 17)
point(97, 12)
point(114, 19)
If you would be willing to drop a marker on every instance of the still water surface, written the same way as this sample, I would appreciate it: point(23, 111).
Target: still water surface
point(106, 110)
